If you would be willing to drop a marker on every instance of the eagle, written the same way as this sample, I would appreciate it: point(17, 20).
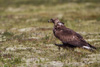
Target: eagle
point(68, 37)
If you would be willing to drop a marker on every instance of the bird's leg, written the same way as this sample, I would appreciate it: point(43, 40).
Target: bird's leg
point(59, 45)
point(59, 48)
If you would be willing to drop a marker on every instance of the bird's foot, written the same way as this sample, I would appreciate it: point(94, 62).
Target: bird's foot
point(60, 45)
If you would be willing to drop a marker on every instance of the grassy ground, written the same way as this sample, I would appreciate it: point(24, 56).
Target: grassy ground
point(26, 38)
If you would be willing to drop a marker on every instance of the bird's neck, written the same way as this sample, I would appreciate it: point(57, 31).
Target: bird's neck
point(59, 26)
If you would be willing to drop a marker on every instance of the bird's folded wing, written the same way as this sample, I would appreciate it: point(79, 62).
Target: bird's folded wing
point(72, 38)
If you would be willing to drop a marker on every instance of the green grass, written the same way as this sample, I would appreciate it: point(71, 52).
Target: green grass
point(27, 40)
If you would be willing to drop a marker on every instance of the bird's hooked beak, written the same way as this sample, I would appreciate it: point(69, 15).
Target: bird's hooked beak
point(51, 20)
point(48, 20)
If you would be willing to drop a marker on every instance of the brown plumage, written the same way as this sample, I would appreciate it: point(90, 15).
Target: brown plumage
point(68, 37)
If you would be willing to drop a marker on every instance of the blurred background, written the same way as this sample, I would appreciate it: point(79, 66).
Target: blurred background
point(26, 38)
point(27, 13)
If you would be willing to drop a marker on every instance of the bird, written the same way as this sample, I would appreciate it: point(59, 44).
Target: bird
point(68, 37)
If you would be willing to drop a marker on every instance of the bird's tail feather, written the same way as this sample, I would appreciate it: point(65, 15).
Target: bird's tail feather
point(90, 47)
point(87, 47)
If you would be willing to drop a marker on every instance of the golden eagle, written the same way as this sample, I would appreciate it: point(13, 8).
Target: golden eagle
point(68, 37)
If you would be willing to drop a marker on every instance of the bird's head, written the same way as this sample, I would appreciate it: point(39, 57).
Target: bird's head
point(56, 21)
